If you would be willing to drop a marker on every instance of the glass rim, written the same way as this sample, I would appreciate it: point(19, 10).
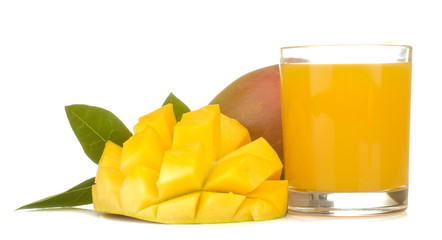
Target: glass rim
point(346, 54)
point(349, 45)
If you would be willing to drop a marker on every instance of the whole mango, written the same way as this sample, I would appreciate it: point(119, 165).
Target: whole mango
point(254, 100)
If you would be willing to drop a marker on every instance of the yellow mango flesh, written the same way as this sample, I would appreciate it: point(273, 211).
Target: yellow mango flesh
point(260, 147)
point(203, 126)
point(181, 171)
point(217, 207)
point(273, 192)
point(178, 210)
point(162, 121)
point(138, 190)
point(233, 135)
point(268, 201)
point(148, 214)
point(243, 173)
point(142, 149)
point(111, 156)
point(244, 212)
point(110, 182)
point(245, 169)
point(210, 173)
point(105, 195)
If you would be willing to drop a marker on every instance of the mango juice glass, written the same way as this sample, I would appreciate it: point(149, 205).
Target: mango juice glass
point(345, 119)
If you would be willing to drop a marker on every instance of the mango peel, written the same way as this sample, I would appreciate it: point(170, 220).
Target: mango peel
point(203, 169)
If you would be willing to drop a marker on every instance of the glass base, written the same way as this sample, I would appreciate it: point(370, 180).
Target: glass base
point(347, 203)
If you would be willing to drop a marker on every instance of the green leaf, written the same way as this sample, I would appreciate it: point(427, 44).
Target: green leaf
point(94, 126)
point(81, 194)
point(179, 107)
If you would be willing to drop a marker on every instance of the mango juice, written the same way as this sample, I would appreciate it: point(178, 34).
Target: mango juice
point(346, 126)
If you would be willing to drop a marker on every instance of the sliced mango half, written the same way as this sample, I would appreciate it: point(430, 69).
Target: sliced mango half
point(203, 169)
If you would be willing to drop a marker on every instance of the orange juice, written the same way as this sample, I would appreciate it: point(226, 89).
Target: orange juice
point(346, 126)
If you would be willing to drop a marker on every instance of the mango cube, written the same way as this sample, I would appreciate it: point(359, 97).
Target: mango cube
point(106, 191)
point(110, 180)
point(149, 213)
point(106, 194)
point(111, 155)
point(142, 149)
point(181, 171)
point(239, 174)
point(243, 170)
point(260, 147)
point(202, 125)
point(244, 212)
point(179, 210)
point(233, 135)
point(138, 190)
point(203, 169)
point(218, 207)
point(162, 121)
point(256, 210)
point(273, 192)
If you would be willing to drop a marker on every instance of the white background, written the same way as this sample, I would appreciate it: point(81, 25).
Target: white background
point(126, 56)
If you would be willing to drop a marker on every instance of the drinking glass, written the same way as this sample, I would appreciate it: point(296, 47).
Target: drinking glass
point(345, 118)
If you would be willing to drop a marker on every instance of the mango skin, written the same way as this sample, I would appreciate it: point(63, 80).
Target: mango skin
point(254, 100)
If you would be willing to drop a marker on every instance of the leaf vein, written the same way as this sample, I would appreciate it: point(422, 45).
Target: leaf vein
point(88, 126)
